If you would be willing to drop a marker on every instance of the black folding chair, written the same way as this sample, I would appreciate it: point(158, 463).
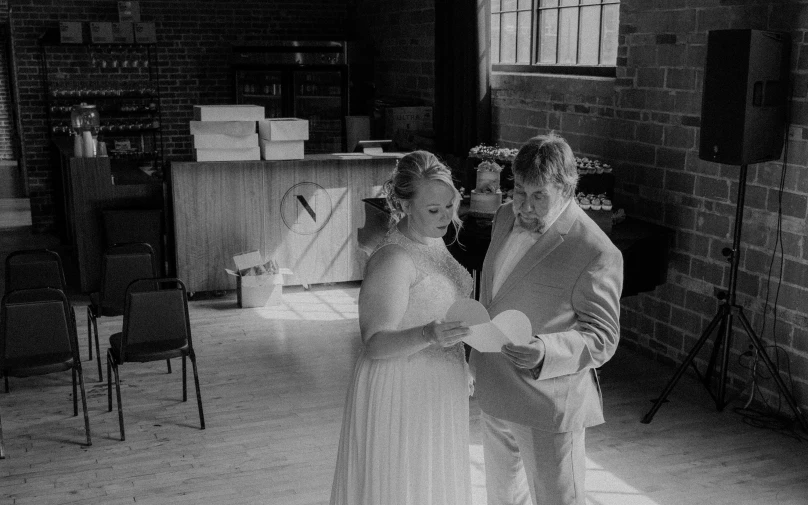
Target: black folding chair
point(156, 326)
point(37, 337)
point(121, 264)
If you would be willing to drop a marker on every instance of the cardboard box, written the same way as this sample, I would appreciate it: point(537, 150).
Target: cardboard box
point(282, 149)
point(71, 32)
point(258, 282)
point(220, 141)
point(248, 154)
point(283, 129)
point(129, 11)
point(101, 33)
point(228, 113)
point(123, 33)
point(145, 33)
point(232, 128)
point(259, 291)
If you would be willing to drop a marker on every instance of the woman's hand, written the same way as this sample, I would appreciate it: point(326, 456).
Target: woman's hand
point(444, 334)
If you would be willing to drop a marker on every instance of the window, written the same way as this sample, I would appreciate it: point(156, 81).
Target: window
point(555, 36)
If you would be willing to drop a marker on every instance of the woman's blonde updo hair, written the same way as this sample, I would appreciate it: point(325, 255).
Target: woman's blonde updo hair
point(413, 168)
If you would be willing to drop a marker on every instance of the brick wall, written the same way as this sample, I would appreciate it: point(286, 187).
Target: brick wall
point(646, 122)
point(193, 40)
point(400, 35)
point(6, 127)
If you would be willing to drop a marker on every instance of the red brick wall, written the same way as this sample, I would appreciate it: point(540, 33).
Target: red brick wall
point(646, 122)
point(194, 39)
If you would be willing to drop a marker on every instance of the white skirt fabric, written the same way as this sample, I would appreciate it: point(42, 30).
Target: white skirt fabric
point(405, 432)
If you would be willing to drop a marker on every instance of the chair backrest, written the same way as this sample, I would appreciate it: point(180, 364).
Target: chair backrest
point(37, 324)
point(156, 312)
point(122, 264)
point(34, 268)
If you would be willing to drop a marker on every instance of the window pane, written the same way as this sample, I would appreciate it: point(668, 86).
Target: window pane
point(495, 7)
point(549, 3)
point(590, 35)
point(508, 5)
point(525, 4)
point(495, 35)
point(508, 28)
point(569, 2)
point(590, 2)
point(523, 41)
point(568, 36)
point(608, 38)
point(547, 36)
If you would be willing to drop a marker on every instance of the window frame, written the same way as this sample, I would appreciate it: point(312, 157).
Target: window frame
point(536, 67)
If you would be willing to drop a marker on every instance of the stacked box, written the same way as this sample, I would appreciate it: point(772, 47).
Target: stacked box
point(283, 138)
point(226, 132)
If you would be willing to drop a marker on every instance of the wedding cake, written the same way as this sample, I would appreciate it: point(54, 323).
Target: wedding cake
point(486, 197)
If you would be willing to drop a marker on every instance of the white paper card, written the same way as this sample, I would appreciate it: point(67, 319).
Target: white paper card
point(510, 326)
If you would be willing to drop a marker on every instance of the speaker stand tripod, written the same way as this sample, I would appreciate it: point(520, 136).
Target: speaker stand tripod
point(727, 311)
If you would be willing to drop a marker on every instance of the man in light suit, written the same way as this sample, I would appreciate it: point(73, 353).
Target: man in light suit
point(548, 259)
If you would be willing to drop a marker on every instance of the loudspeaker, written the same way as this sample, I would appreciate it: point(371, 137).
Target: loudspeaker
point(743, 109)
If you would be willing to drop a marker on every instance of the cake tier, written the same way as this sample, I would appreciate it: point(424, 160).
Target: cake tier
point(485, 203)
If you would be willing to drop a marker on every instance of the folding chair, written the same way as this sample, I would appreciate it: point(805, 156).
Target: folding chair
point(156, 326)
point(121, 264)
point(38, 337)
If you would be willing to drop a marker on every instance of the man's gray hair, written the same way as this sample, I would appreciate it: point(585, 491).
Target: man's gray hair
point(547, 158)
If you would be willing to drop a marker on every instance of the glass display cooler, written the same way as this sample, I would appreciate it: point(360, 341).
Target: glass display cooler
point(306, 80)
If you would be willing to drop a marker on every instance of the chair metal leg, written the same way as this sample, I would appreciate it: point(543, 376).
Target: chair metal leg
point(97, 350)
point(89, 333)
point(84, 405)
point(2, 448)
point(184, 381)
point(198, 393)
point(168, 365)
point(118, 392)
point(75, 397)
point(109, 381)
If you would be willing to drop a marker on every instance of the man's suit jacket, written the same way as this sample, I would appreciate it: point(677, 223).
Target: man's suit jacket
point(569, 285)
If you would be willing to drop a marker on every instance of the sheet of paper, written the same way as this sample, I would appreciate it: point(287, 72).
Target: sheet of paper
point(510, 326)
point(486, 338)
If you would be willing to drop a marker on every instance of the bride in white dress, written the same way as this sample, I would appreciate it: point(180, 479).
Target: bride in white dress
point(405, 432)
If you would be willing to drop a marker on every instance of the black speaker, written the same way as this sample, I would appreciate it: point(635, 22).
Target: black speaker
point(743, 108)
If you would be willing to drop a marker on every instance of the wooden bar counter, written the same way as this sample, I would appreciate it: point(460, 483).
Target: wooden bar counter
point(306, 214)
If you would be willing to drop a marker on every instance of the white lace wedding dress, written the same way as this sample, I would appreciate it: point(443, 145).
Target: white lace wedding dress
point(405, 432)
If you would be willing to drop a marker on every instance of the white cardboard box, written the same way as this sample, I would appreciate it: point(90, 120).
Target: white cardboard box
point(247, 154)
point(228, 112)
point(284, 128)
point(282, 149)
point(221, 141)
point(232, 128)
point(256, 290)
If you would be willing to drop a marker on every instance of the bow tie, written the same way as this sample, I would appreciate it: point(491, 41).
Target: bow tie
point(519, 229)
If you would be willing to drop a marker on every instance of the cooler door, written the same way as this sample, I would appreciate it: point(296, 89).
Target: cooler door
point(320, 96)
point(264, 88)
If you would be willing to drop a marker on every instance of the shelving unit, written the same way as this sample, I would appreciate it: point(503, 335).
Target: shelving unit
point(122, 81)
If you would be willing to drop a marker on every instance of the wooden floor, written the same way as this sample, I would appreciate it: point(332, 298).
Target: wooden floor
point(273, 387)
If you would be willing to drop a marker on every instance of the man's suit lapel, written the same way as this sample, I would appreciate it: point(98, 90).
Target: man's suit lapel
point(546, 243)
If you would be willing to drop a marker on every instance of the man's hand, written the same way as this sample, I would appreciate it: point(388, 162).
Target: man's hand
point(525, 356)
